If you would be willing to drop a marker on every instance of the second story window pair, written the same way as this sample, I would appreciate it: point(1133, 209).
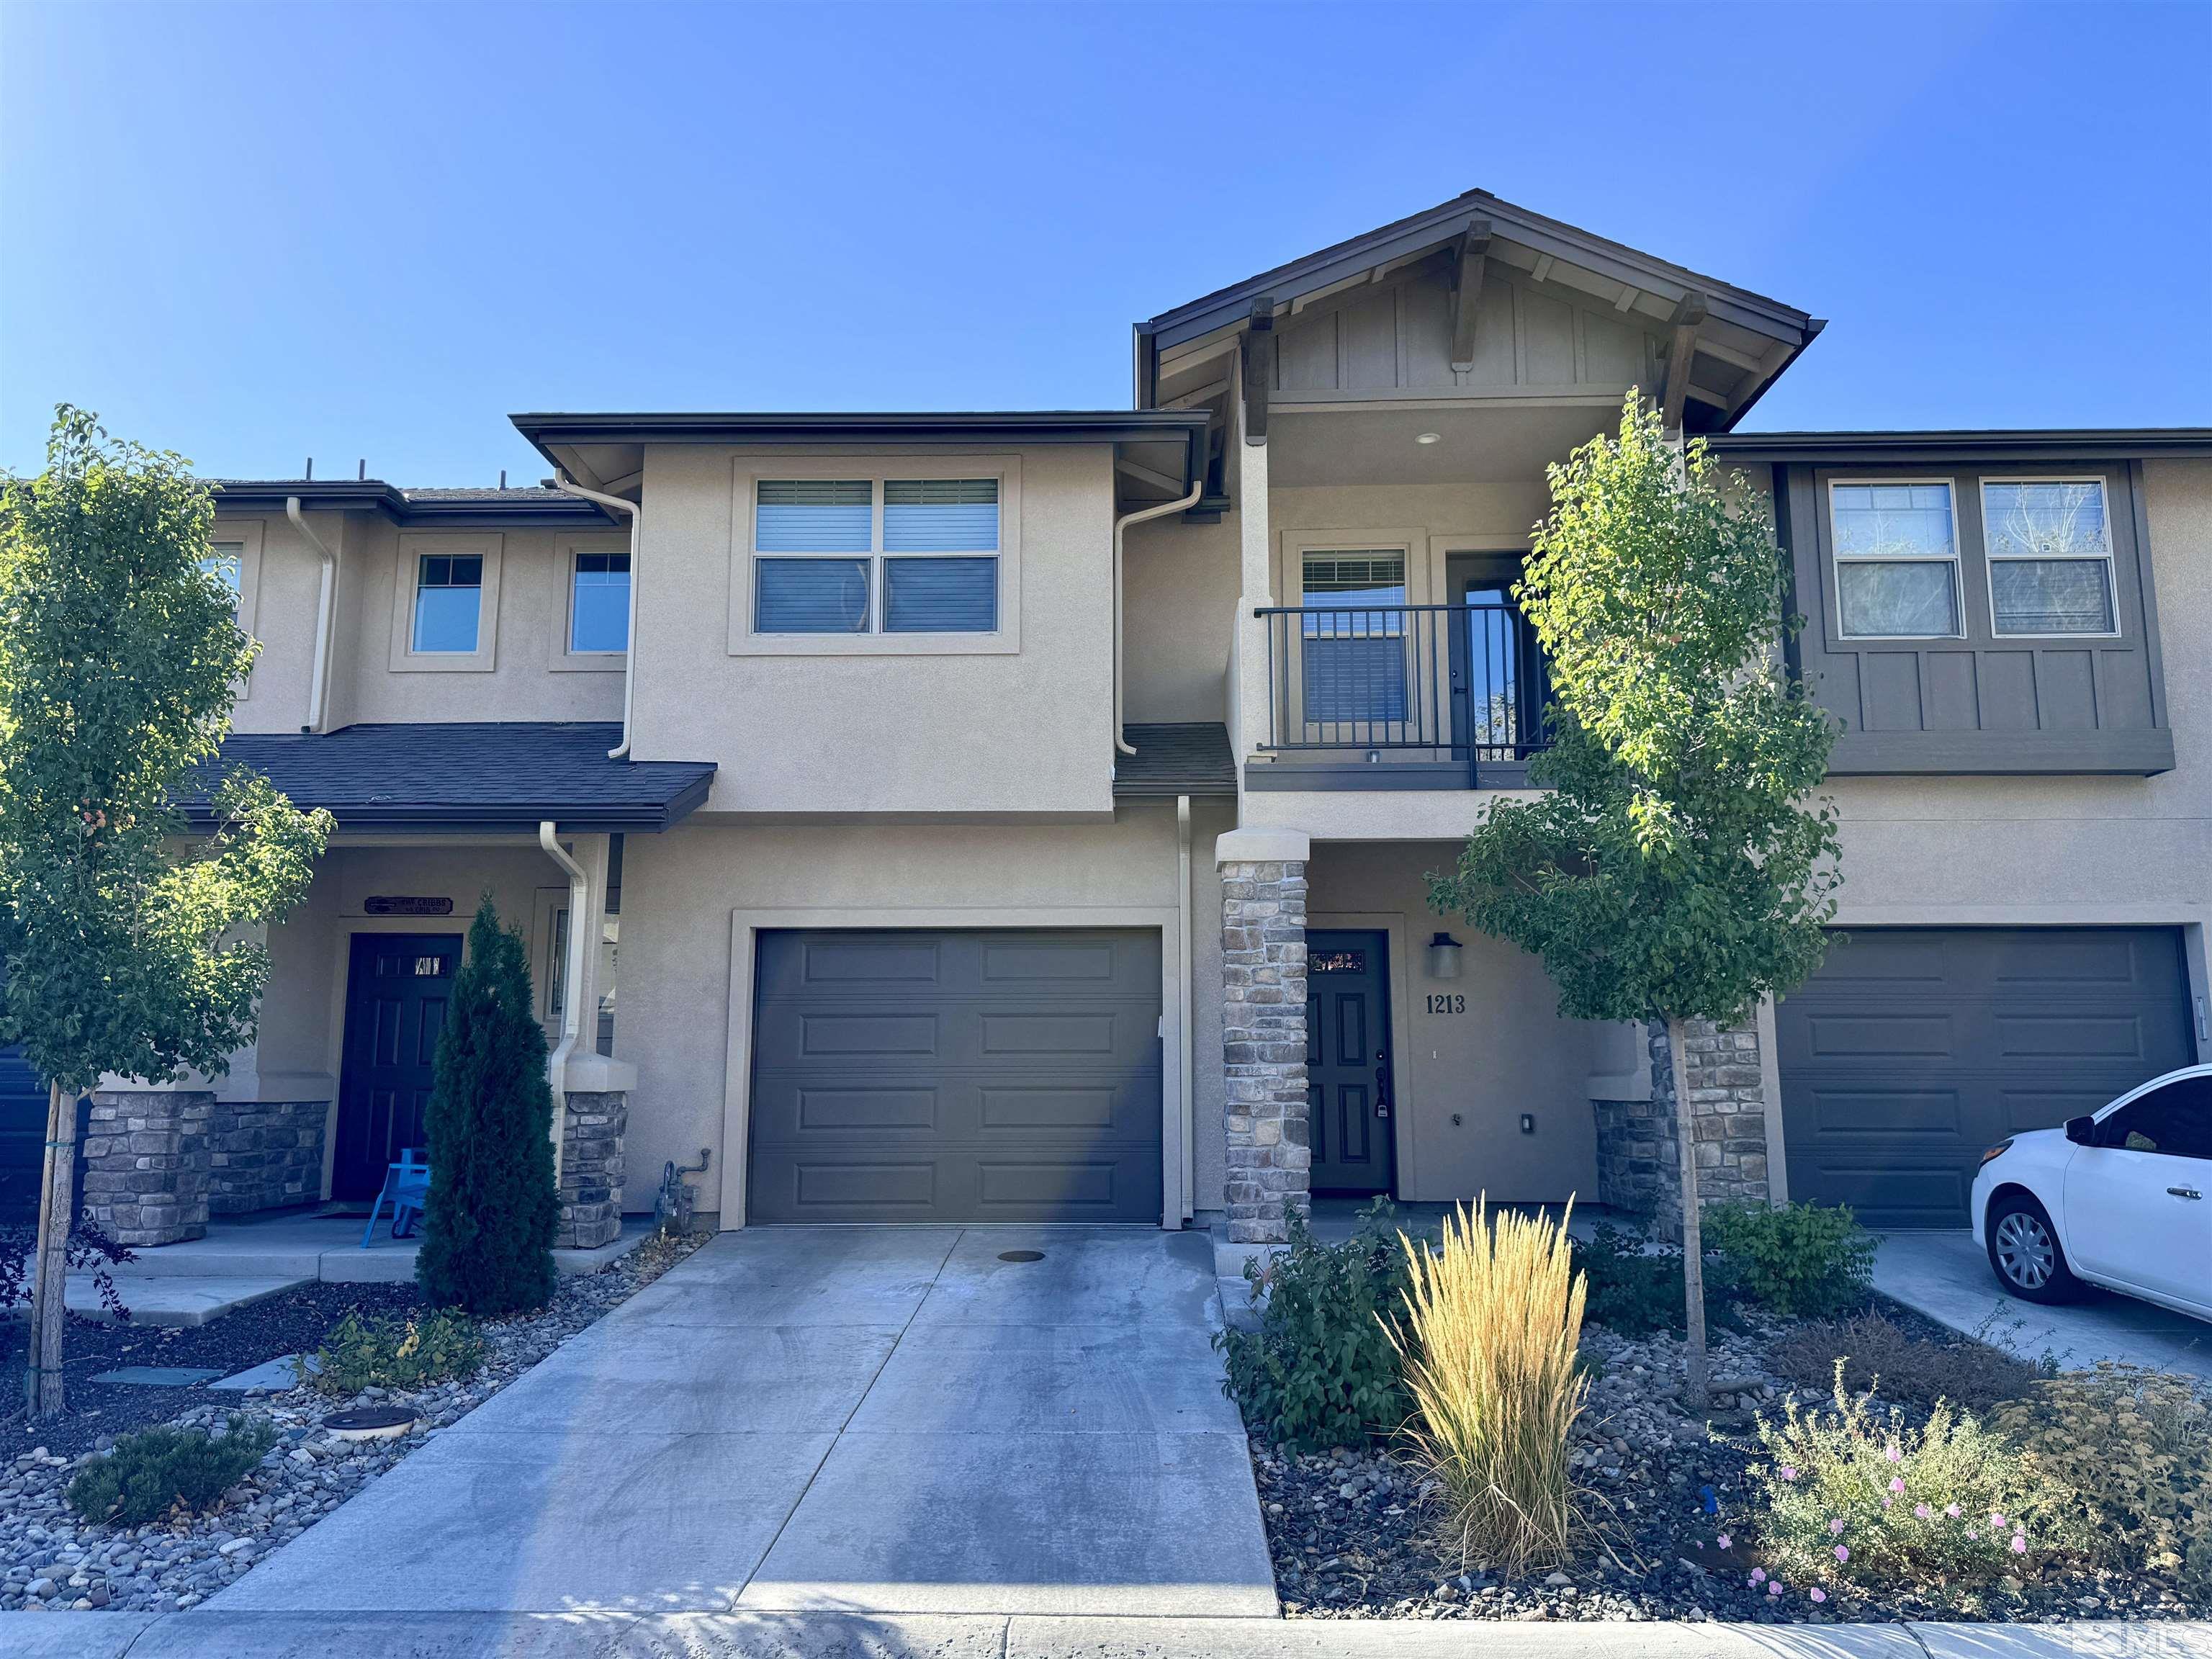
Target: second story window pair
point(2046, 547)
point(889, 556)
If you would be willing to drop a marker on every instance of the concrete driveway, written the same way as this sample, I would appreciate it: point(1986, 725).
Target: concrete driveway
point(868, 1419)
point(1946, 1276)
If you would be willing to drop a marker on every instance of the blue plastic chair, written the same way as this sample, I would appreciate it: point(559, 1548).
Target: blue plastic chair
point(407, 1186)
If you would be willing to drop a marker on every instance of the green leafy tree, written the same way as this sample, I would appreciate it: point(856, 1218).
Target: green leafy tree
point(1675, 868)
point(488, 1232)
point(130, 948)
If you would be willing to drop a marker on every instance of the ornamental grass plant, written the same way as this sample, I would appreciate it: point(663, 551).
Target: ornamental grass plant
point(1487, 1342)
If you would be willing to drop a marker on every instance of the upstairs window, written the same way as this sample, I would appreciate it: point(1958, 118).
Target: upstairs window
point(598, 603)
point(1354, 637)
point(1897, 560)
point(448, 603)
point(2050, 557)
point(225, 562)
point(896, 555)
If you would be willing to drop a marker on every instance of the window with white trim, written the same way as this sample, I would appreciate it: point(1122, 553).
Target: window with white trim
point(2050, 548)
point(884, 555)
point(1352, 636)
point(1896, 560)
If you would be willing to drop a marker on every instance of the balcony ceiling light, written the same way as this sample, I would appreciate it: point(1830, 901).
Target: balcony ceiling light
point(1429, 438)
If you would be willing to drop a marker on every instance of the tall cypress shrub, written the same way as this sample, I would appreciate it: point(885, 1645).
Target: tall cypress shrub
point(488, 1233)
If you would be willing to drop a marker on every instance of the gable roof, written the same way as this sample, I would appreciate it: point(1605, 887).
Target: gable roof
point(1666, 283)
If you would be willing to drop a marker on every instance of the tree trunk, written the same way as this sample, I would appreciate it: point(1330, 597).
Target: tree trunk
point(1693, 1249)
point(50, 1276)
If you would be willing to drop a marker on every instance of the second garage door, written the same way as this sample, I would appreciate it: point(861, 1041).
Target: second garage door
point(956, 1076)
point(1914, 1048)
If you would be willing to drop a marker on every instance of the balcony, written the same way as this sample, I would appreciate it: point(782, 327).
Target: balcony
point(1399, 697)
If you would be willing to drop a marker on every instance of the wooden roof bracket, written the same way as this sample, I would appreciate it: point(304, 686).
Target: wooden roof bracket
point(1467, 289)
point(1689, 313)
point(1259, 367)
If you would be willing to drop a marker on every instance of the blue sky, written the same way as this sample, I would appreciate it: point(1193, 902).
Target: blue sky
point(257, 233)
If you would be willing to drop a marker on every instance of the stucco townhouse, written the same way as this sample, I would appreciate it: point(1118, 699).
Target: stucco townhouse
point(1025, 815)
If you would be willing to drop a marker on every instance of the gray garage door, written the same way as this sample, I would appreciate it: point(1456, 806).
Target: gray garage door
point(1914, 1048)
point(956, 1076)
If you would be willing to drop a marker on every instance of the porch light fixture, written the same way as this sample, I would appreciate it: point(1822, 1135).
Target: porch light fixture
point(1429, 438)
point(1443, 957)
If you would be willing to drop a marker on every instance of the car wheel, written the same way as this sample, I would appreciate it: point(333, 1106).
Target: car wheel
point(2024, 1250)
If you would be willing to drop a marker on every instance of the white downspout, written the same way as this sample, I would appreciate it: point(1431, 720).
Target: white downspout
point(1120, 742)
point(1184, 1011)
point(318, 676)
point(616, 504)
point(571, 1020)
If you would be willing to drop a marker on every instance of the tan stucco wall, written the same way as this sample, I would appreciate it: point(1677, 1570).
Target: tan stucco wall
point(1509, 1053)
point(681, 890)
point(522, 684)
point(887, 731)
point(1180, 584)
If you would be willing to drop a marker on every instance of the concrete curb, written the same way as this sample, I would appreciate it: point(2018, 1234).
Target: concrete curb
point(205, 1632)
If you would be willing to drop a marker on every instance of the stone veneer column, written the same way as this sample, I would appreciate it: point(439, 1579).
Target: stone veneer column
point(146, 1163)
point(264, 1154)
point(1263, 1030)
point(592, 1131)
point(1637, 1152)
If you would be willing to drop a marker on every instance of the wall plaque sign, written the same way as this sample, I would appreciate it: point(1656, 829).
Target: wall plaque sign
point(406, 904)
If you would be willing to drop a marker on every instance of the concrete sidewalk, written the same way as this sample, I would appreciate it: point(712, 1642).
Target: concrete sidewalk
point(210, 1633)
point(1946, 1277)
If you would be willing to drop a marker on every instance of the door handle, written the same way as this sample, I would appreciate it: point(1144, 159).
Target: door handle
point(2184, 1192)
point(1382, 1083)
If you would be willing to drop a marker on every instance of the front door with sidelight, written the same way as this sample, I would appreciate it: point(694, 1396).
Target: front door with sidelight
point(1348, 1062)
point(398, 986)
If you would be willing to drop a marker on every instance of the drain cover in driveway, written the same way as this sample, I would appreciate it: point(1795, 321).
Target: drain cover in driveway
point(1021, 1255)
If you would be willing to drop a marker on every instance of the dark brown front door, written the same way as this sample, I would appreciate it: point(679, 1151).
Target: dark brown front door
point(1348, 1062)
point(397, 989)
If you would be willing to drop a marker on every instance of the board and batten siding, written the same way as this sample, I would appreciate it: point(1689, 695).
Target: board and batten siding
point(1393, 339)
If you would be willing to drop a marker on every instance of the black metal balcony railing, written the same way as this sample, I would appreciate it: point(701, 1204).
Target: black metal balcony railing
point(1435, 681)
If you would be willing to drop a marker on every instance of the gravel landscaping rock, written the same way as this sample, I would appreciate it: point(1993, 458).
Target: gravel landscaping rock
point(1353, 1533)
point(50, 1561)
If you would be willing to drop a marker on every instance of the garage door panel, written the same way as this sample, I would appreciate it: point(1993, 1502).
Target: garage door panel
point(1019, 1071)
point(1913, 1049)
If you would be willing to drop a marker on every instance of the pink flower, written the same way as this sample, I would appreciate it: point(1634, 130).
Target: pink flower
point(1722, 1540)
point(1921, 1509)
point(1697, 1543)
point(1972, 1534)
point(1787, 1472)
point(1996, 1521)
point(1887, 1500)
point(1951, 1510)
point(1774, 1589)
point(1836, 1528)
point(1758, 1575)
point(1896, 1483)
point(1817, 1593)
point(1842, 1554)
point(2018, 1544)
point(1893, 1455)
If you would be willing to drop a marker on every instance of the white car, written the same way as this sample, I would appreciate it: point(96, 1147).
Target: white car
point(2118, 1199)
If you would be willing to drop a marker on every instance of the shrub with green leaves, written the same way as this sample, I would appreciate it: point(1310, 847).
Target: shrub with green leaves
point(2128, 1452)
point(385, 1352)
point(1800, 1261)
point(1851, 1495)
point(164, 1470)
point(1636, 1289)
point(1879, 1355)
point(1321, 1371)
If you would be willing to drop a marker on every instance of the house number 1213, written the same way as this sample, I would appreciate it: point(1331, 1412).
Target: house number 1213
point(1448, 1003)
